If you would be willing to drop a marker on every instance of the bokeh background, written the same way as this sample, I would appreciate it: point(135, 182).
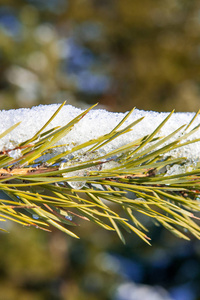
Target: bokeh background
point(120, 53)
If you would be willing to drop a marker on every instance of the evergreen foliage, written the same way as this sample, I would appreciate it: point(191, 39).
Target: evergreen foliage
point(108, 189)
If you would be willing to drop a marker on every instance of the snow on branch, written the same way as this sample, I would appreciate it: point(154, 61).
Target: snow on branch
point(60, 164)
point(96, 123)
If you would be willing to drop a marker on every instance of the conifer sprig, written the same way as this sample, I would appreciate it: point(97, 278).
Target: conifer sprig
point(51, 188)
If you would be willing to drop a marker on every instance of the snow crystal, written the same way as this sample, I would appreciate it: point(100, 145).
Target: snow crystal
point(15, 153)
point(81, 172)
point(178, 169)
point(94, 124)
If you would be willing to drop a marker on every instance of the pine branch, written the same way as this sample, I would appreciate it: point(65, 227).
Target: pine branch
point(50, 184)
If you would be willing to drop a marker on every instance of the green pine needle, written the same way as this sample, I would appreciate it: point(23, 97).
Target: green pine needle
point(57, 194)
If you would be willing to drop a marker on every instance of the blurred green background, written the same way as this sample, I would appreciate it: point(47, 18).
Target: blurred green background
point(120, 53)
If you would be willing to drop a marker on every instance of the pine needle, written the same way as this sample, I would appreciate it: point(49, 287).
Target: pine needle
point(42, 191)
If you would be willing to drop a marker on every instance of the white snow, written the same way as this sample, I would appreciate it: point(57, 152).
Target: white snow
point(96, 123)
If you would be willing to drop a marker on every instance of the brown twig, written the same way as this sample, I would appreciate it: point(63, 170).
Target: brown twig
point(4, 173)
